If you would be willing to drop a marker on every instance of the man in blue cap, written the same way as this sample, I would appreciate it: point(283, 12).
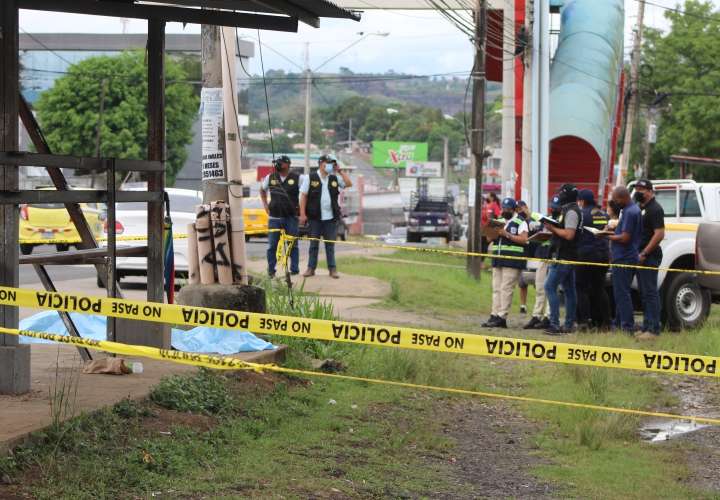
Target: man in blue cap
point(510, 242)
point(593, 309)
point(564, 247)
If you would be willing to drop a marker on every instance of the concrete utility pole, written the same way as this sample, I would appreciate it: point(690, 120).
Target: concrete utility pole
point(446, 161)
point(308, 102)
point(508, 101)
point(214, 187)
point(634, 102)
point(477, 136)
point(350, 134)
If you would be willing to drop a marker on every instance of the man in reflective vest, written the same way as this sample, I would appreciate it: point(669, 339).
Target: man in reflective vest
point(319, 205)
point(593, 306)
point(539, 320)
point(564, 247)
point(510, 242)
point(284, 188)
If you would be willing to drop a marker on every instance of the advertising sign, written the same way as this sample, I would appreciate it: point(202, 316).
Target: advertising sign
point(393, 154)
point(423, 169)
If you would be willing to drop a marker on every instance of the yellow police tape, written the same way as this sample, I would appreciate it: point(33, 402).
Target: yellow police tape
point(461, 253)
point(230, 363)
point(368, 334)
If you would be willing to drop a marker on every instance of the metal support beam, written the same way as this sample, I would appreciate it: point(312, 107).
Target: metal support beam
point(111, 281)
point(284, 7)
point(156, 13)
point(14, 358)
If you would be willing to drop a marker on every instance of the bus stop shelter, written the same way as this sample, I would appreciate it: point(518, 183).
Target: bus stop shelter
point(276, 15)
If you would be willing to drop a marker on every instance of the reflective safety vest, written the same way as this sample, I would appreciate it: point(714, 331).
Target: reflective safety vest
point(590, 247)
point(503, 246)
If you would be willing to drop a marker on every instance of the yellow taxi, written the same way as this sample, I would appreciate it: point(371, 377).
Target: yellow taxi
point(255, 217)
point(50, 224)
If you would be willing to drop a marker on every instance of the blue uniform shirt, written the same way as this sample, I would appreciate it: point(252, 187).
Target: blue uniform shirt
point(630, 222)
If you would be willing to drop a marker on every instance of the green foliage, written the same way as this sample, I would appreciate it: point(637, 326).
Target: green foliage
point(69, 112)
point(204, 392)
point(683, 63)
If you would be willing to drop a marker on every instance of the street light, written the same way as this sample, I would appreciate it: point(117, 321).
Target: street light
point(308, 85)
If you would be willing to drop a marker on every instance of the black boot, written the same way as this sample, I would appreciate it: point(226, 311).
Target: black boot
point(490, 323)
point(500, 323)
point(533, 323)
point(544, 323)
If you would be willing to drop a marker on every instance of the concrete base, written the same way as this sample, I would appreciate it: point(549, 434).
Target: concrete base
point(14, 369)
point(147, 333)
point(231, 297)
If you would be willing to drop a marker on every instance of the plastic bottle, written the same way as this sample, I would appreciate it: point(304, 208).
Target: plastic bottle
point(136, 367)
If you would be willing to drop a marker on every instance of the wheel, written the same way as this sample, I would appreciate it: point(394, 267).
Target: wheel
point(413, 238)
point(26, 249)
point(62, 247)
point(685, 304)
point(247, 237)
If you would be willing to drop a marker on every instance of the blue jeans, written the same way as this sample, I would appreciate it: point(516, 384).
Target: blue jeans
point(327, 230)
point(622, 281)
point(647, 282)
point(290, 225)
point(561, 274)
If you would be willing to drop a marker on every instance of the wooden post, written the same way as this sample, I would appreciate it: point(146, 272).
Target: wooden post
point(156, 334)
point(14, 358)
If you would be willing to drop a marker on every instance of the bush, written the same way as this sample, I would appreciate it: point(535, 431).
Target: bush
point(204, 392)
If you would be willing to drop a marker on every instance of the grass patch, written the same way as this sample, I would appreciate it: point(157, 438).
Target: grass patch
point(204, 392)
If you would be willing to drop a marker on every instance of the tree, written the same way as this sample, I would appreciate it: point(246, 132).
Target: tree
point(683, 63)
point(69, 111)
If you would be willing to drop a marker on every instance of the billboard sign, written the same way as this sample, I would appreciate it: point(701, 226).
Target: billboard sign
point(394, 154)
point(423, 169)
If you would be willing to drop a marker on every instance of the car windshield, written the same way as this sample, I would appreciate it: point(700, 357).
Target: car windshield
point(178, 203)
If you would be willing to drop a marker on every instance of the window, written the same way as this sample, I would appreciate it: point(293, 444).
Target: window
point(667, 200)
point(689, 204)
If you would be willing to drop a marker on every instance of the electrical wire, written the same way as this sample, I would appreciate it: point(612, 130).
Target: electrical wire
point(267, 101)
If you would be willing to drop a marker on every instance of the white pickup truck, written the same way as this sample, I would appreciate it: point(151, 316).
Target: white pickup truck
point(685, 303)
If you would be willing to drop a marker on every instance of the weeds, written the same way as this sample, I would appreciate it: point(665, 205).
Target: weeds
point(205, 392)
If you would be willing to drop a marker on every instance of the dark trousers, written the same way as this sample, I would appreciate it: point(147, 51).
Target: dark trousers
point(327, 230)
point(593, 301)
point(290, 225)
point(647, 282)
point(622, 281)
point(561, 275)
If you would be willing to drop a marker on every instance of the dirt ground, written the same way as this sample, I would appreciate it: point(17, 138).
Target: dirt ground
point(494, 451)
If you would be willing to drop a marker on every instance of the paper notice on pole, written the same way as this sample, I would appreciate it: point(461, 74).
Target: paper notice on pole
point(471, 193)
point(213, 165)
point(211, 115)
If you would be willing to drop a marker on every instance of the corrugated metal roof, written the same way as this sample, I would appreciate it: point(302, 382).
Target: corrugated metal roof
point(314, 8)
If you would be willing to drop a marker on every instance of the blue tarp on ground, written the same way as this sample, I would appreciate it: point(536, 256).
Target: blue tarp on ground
point(199, 339)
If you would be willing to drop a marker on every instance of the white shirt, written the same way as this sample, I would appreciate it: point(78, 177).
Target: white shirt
point(326, 211)
point(266, 181)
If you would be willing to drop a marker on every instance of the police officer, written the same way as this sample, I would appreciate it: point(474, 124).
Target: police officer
point(540, 320)
point(564, 247)
point(593, 306)
point(319, 205)
point(510, 242)
point(284, 188)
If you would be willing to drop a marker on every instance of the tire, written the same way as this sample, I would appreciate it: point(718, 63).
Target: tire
point(247, 237)
point(26, 249)
point(62, 247)
point(685, 304)
point(413, 238)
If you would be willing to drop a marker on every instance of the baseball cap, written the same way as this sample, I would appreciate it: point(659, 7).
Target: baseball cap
point(644, 183)
point(284, 159)
point(586, 195)
point(327, 158)
point(509, 203)
point(555, 203)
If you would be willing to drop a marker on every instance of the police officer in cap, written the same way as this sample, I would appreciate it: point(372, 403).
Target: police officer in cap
point(593, 306)
point(510, 242)
point(284, 188)
point(564, 247)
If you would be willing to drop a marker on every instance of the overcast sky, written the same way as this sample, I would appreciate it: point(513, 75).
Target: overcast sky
point(419, 42)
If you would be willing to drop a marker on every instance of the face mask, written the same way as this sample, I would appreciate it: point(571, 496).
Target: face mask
point(639, 198)
point(555, 214)
point(329, 168)
point(508, 214)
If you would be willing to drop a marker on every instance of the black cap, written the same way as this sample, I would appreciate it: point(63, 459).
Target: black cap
point(284, 159)
point(644, 183)
point(567, 194)
point(327, 158)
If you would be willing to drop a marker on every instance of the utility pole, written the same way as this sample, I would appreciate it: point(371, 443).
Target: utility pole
point(446, 161)
point(650, 139)
point(477, 136)
point(634, 102)
point(214, 173)
point(350, 135)
point(308, 102)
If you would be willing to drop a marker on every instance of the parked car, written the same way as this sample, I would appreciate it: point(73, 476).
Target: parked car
point(48, 221)
point(433, 217)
